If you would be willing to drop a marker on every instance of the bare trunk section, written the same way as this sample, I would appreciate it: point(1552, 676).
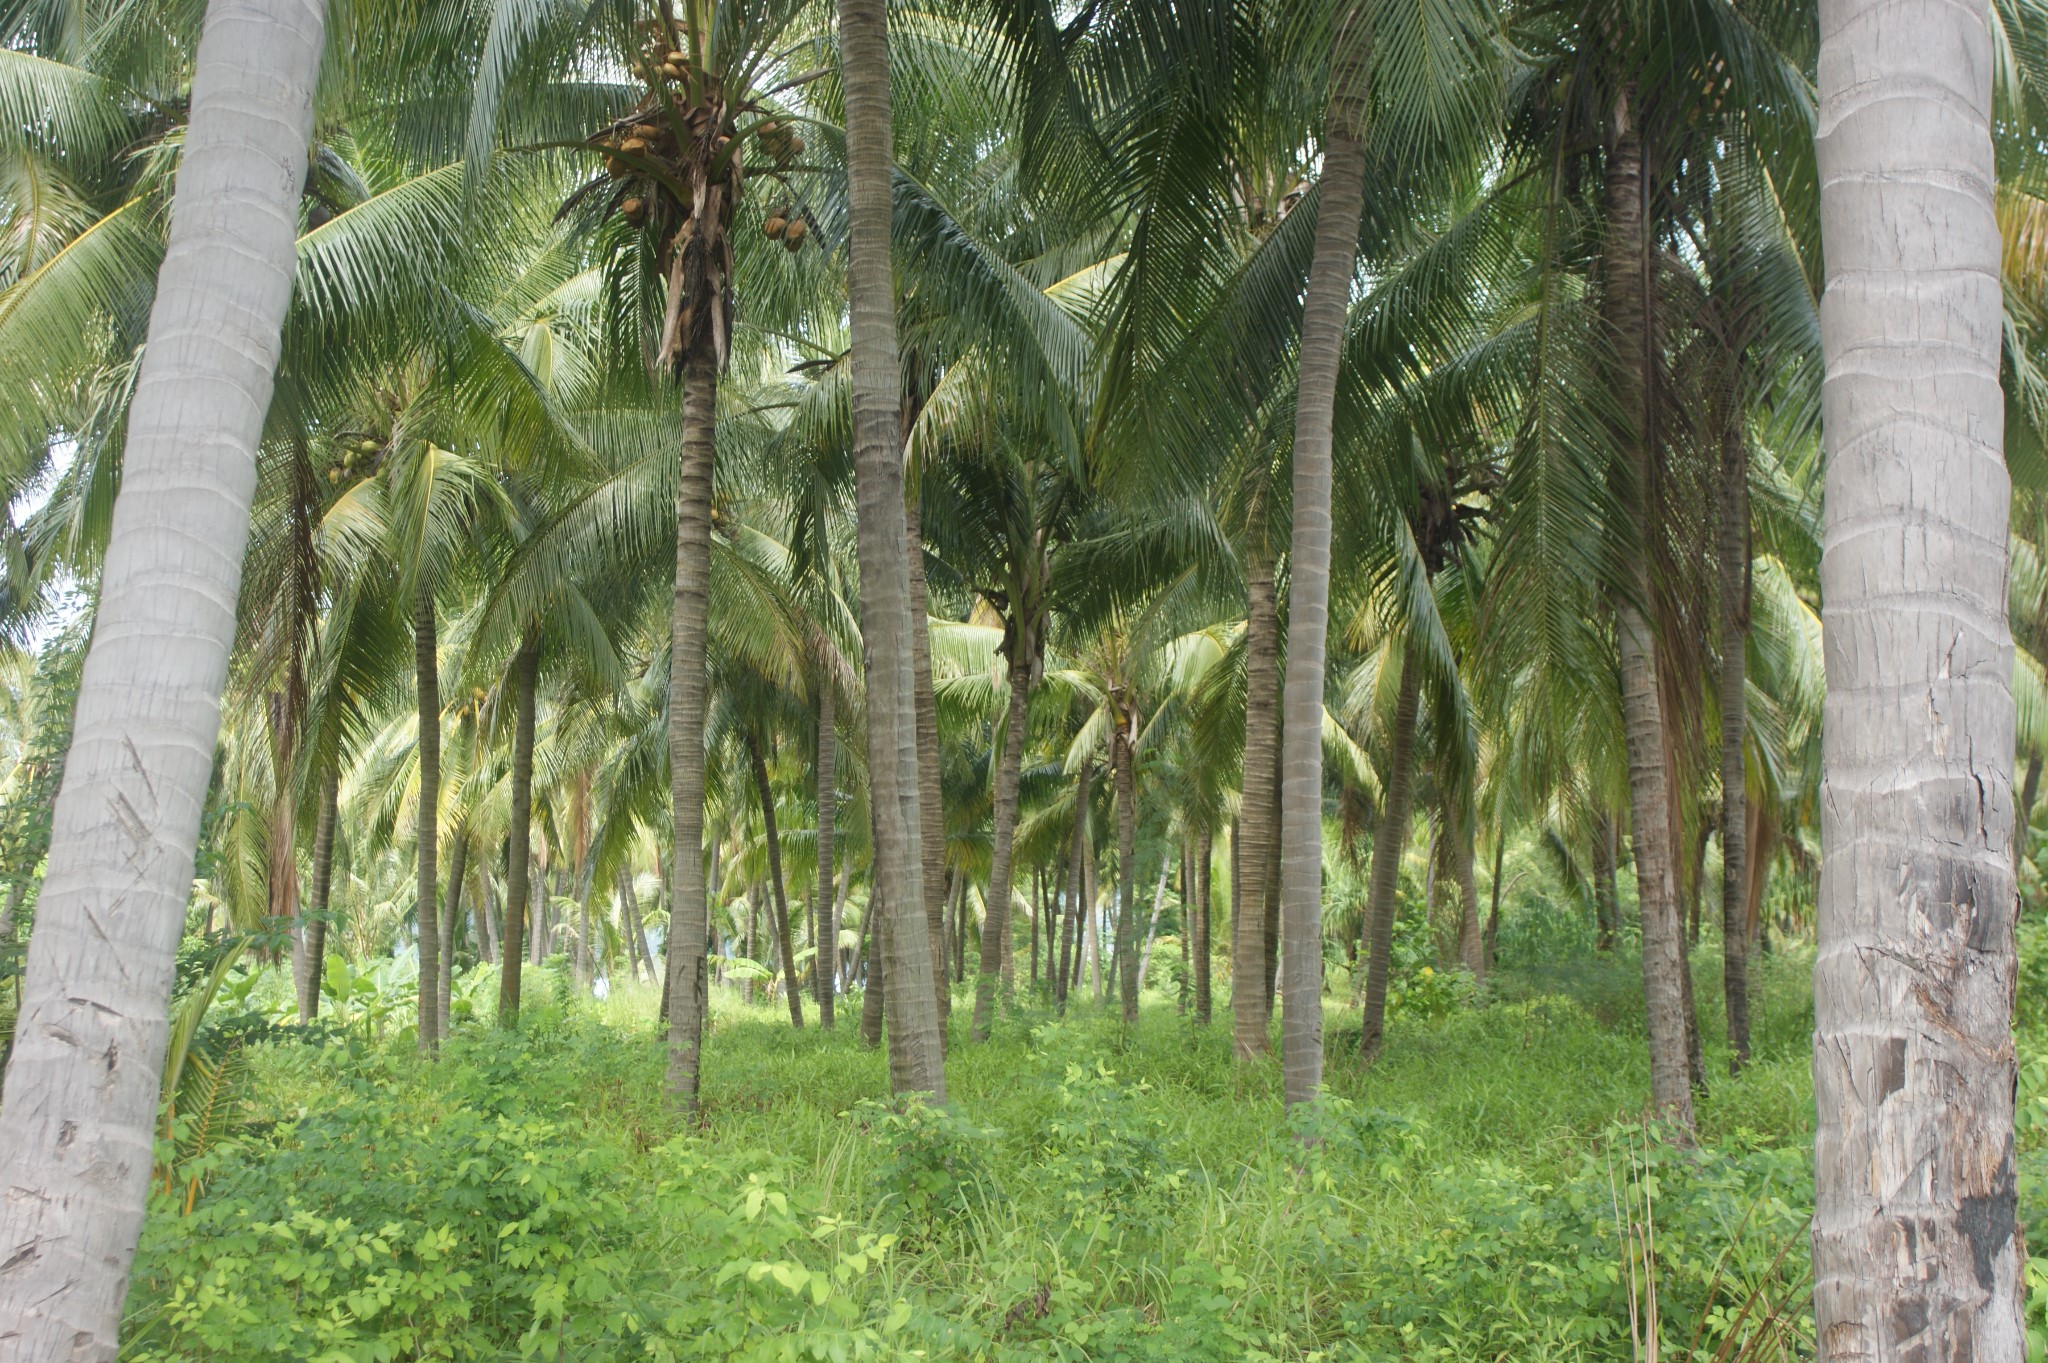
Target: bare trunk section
point(872, 1001)
point(1606, 900)
point(79, 1115)
point(1205, 854)
point(1328, 298)
point(995, 932)
point(890, 616)
point(519, 839)
point(313, 956)
point(427, 677)
point(826, 968)
point(1471, 934)
point(451, 935)
point(1123, 758)
point(1916, 1253)
point(1625, 290)
point(931, 812)
point(766, 794)
point(1249, 974)
point(1070, 938)
point(1389, 843)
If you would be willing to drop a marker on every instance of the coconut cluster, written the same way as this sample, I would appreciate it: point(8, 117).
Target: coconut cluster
point(356, 456)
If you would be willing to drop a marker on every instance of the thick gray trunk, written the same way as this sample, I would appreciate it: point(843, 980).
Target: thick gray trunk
point(78, 1118)
point(889, 614)
point(1916, 1253)
point(519, 842)
point(931, 812)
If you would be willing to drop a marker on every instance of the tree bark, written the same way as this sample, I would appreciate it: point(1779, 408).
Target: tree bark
point(427, 677)
point(780, 903)
point(519, 840)
point(79, 1115)
point(2030, 791)
point(995, 933)
point(1471, 936)
point(1248, 970)
point(1070, 937)
point(1625, 301)
point(636, 927)
point(890, 615)
point(689, 923)
point(930, 810)
point(1328, 299)
point(872, 1000)
point(313, 962)
point(1916, 1253)
point(1205, 852)
point(827, 962)
point(1389, 843)
point(458, 867)
point(1606, 899)
point(1123, 755)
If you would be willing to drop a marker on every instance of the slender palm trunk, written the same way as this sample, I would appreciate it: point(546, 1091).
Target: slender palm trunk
point(1308, 601)
point(284, 812)
point(889, 613)
point(1625, 288)
point(931, 812)
point(995, 932)
point(827, 965)
point(1471, 935)
point(2030, 791)
point(688, 979)
point(1916, 1252)
point(519, 842)
point(1152, 924)
point(780, 903)
point(79, 1114)
point(872, 1001)
point(1205, 854)
point(1606, 899)
point(1389, 842)
point(451, 935)
point(636, 927)
point(1253, 846)
point(313, 958)
point(1070, 939)
point(1122, 749)
point(427, 677)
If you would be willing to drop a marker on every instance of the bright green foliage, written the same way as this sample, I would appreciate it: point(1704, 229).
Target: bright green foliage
point(1088, 1195)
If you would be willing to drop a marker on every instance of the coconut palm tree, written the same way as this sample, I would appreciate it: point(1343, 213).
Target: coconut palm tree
point(1912, 1057)
point(127, 816)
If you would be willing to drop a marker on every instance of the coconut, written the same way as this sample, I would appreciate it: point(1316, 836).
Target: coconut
point(334, 475)
point(796, 145)
point(635, 210)
point(366, 446)
point(634, 145)
point(794, 237)
point(677, 58)
point(775, 226)
point(673, 70)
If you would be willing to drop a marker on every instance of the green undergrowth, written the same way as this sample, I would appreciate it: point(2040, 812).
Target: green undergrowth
point(1485, 1190)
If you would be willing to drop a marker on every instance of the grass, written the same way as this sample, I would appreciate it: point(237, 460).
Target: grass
point(1089, 1194)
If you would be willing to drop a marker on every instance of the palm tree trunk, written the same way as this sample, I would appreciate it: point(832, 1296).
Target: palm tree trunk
point(283, 879)
point(79, 1114)
point(1205, 853)
point(2030, 791)
point(1248, 955)
point(931, 812)
point(427, 676)
point(1326, 302)
point(1606, 899)
point(313, 962)
point(995, 932)
point(890, 615)
point(872, 1001)
point(636, 927)
point(444, 981)
point(1071, 935)
point(1915, 1249)
point(766, 794)
point(827, 967)
point(519, 842)
point(1389, 842)
point(487, 931)
point(1471, 936)
point(1122, 749)
point(1625, 301)
point(689, 912)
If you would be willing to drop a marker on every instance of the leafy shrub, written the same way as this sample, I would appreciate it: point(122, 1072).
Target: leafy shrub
point(936, 1166)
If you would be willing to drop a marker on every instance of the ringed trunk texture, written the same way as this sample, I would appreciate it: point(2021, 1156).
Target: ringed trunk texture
point(689, 931)
point(1249, 975)
point(1205, 854)
point(519, 839)
point(1122, 749)
point(995, 931)
point(1308, 600)
point(1625, 302)
point(427, 675)
point(766, 794)
point(1916, 1253)
point(313, 952)
point(79, 1114)
point(826, 968)
point(889, 614)
point(931, 813)
point(1389, 842)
